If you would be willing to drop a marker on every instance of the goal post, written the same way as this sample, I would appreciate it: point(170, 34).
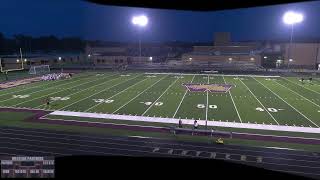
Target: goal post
point(42, 69)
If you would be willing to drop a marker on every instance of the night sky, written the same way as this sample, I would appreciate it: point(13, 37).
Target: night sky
point(97, 22)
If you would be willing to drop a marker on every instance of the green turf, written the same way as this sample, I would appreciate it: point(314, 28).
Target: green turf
point(261, 100)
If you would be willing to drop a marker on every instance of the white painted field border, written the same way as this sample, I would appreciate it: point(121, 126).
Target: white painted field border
point(37, 86)
point(288, 103)
point(48, 88)
point(302, 86)
point(87, 87)
point(259, 102)
point(242, 75)
point(235, 107)
point(299, 94)
point(53, 92)
point(95, 93)
point(182, 99)
point(160, 96)
point(139, 94)
point(186, 121)
point(118, 93)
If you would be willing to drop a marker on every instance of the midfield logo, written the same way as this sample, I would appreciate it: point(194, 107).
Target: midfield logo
point(215, 88)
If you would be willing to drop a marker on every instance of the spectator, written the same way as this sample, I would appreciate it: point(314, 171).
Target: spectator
point(180, 123)
point(195, 124)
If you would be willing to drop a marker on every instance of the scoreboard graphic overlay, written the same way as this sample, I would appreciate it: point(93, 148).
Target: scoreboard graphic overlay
point(27, 167)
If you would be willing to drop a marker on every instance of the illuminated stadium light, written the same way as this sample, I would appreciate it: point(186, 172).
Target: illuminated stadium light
point(291, 17)
point(265, 57)
point(59, 58)
point(230, 59)
point(150, 58)
point(290, 60)
point(279, 61)
point(18, 60)
point(140, 20)
point(89, 55)
point(252, 59)
point(25, 60)
point(190, 59)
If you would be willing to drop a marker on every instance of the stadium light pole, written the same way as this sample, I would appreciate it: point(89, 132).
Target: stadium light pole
point(291, 18)
point(140, 21)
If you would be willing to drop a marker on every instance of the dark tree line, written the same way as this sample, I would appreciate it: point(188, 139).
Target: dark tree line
point(44, 44)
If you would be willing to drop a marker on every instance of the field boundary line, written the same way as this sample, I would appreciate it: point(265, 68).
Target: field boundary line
point(287, 103)
point(301, 86)
point(87, 88)
point(182, 99)
point(204, 74)
point(139, 94)
point(96, 92)
point(298, 94)
point(207, 100)
point(259, 102)
point(235, 107)
point(160, 96)
point(119, 92)
point(186, 121)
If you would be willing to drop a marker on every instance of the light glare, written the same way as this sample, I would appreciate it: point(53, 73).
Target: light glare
point(140, 20)
point(292, 17)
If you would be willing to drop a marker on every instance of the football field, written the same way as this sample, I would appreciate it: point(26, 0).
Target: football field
point(255, 102)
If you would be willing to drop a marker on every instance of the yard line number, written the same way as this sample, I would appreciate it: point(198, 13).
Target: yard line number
point(149, 103)
point(21, 96)
point(201, 106)
point(59, 98)
point(103, 101)
point(269, 109)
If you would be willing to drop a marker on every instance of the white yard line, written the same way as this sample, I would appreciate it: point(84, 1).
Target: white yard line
point(139, 94)
point(301, 86)
point(207, 101)
point(259, 102)
point(287, 103)
point(45, 89)
point(182, 99)
point(211, 74)
point(160, 96)
point(87, 87)
point(235, 107)
point(184, 121)
point(118, 93)
point(53, 92)
point(298, 94)
point(94, 93)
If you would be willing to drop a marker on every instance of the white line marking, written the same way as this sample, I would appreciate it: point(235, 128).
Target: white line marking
point(160, 96)
point(139, 94)
point(211, 74)
point(207, 102)
point(301, 85)
point(53, 92)
point(182, 99)
point(298, 94)
point(259, 102)
point(92, 94)
point(119, 92)
point(287, 103)
point(86, 88)
point(235, 107)
point(185, 121)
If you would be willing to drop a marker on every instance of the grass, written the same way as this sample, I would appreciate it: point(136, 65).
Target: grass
point(255, 100)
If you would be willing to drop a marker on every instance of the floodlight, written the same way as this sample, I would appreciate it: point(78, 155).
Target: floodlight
point(140, 20)
point(291, 17)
